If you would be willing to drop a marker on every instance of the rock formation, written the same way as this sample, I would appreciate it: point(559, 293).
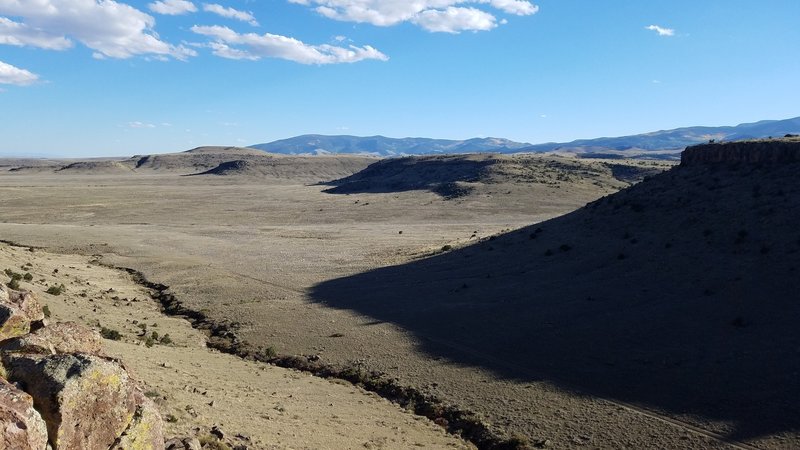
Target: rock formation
point(57, 388)
point(21, 426)
point(772, 151)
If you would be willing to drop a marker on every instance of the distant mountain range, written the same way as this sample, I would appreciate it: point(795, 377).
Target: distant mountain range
point(384, 146)
point(658, 143)
point(677, 139)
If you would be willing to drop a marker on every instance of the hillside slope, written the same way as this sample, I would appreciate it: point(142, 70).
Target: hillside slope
point(677, 295)
point(454, 176)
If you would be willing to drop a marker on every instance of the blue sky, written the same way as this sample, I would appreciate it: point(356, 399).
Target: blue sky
point(94, 78)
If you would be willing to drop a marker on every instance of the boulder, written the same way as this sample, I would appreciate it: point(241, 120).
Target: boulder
point(146, 430)
point(28, 303)
point(18, 309)
point(189, 443)
point(62, 337)
point(86, 401)
point(13, 322)
point(21, 426)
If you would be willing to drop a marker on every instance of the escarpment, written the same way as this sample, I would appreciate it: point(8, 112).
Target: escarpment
point(768, 151)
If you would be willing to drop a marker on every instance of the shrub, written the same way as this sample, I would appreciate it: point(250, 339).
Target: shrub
point(46, 311)
point(13, 275)
point(212, 443)
point(269, 352)
point(166, 340)
point(518, 442)
point(56, 290)
point(27, 277)
point(152, 394)
point(149, 342)
point(13, 284)
point(110, 334)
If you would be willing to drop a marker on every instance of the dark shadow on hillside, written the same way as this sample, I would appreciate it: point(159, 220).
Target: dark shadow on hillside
point(438, 174)
point(679, 295)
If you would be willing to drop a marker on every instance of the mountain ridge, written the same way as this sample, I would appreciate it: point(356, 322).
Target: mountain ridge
point(656, 144)
point(385, 146)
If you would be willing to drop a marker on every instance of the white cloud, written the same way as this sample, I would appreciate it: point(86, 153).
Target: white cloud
point(661, 30)
point(14, 75)
point(172, 7)
point(230, 13)
point(21, 35)
point(518, 7)
point(110, 28)
point(454, 20)
point(254, 46)
point(449, 16)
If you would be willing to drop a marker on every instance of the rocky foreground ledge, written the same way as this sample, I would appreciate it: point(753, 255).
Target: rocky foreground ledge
point(59, 391)
point(764, 151)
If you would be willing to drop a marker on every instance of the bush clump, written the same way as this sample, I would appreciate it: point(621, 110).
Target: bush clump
point(13, 275)
point(110, 334)
point(56, 290)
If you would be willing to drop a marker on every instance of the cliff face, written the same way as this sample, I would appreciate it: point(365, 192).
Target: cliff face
point(772, 151)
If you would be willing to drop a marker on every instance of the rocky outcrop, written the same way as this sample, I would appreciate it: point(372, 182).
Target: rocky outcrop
point(21, 426)
point(87, 402)
point(145, 431)
point(772, 151)
point(56, 387)
point(63, 337)
point(19, 312)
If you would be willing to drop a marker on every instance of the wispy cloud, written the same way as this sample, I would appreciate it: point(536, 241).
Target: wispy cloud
point(251, 46)
point(110, 28)
point(230, 13)
point(447, 16)
point(172, 7)
point(138, 124)
point(661, 30)
point(14, 75)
